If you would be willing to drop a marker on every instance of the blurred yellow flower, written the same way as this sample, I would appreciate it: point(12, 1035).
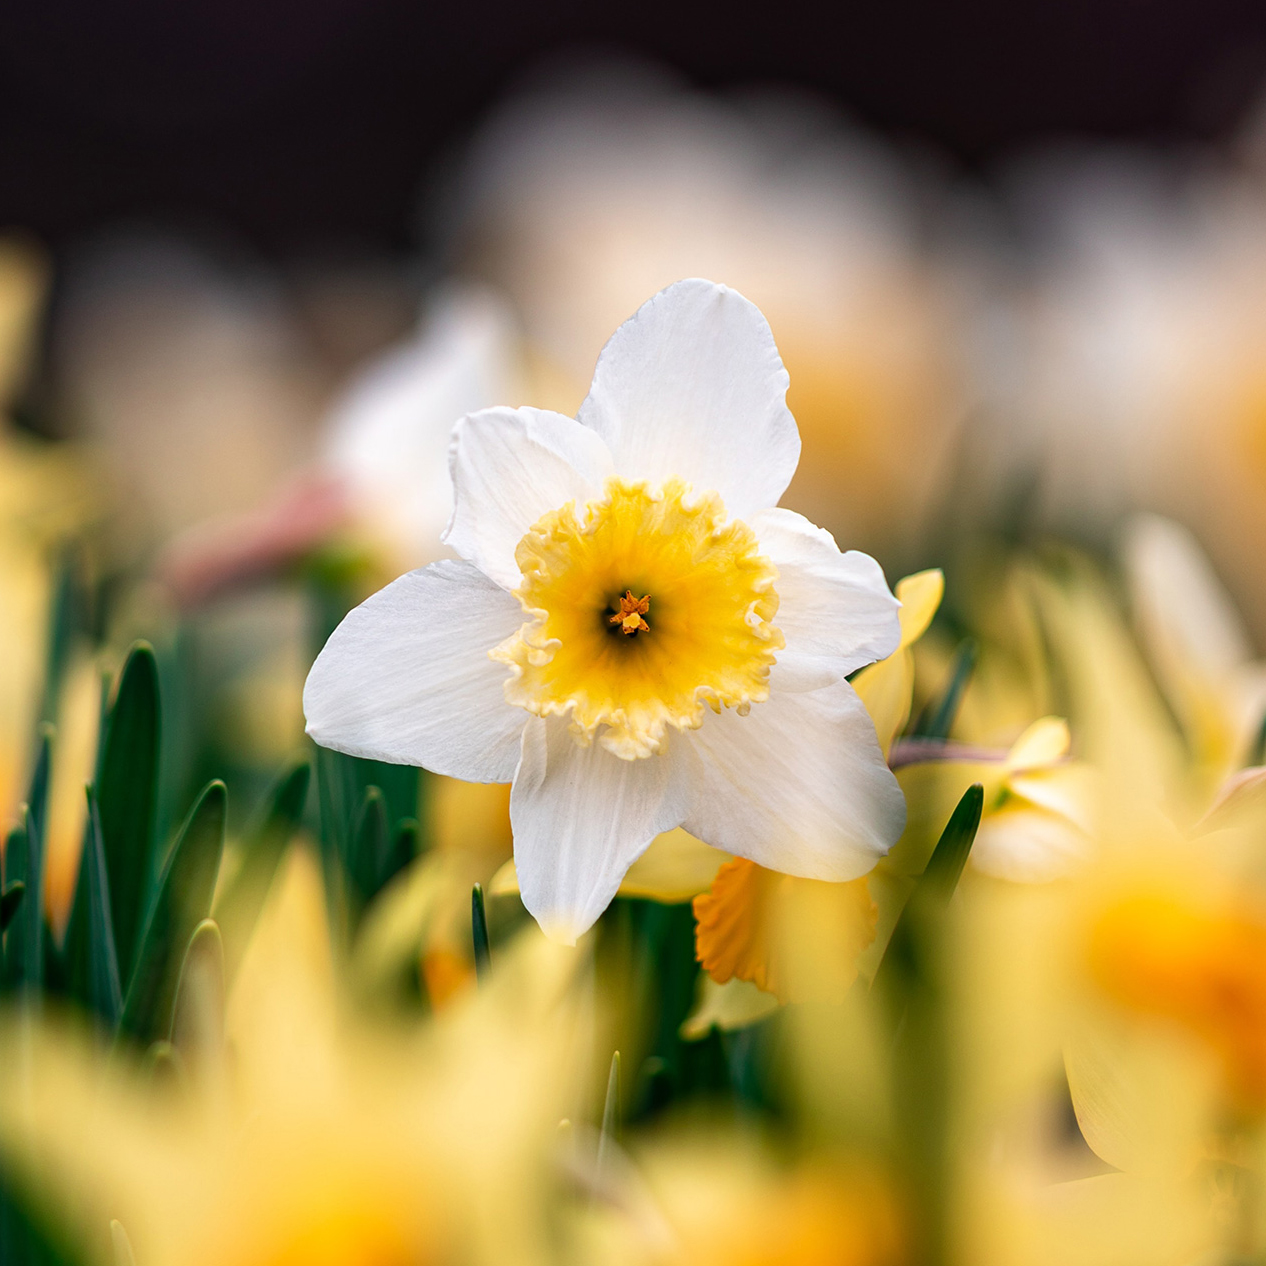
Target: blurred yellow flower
point(45, 497)
point(740, 926)
point(724, 1202)
point(1198, 647)
point(887, 688)
point(1201, 967)
point(311, 1139)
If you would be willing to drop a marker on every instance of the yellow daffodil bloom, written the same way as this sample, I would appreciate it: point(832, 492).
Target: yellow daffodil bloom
point(887, 688)
point(45, 498)
point(309, 1140)
point(740, 925)
point(723, 1201)
point(1198, 646)
point(741, 920)
point(1204, 968)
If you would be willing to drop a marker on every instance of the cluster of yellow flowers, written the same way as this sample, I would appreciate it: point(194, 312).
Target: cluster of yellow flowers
point(673, 889)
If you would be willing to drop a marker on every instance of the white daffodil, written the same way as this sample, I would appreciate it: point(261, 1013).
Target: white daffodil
point(387, 438)
point(1198, 645)
point(624, 571)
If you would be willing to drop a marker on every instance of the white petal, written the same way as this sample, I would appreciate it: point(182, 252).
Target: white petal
point(692, 385)
point(834, 609)
point(509, 467)
point(581, 818)
point(798, 785)
point(406, 677)
point(728, 1007)
point(388, 435)
point(1185, 614)
point(1029, 846)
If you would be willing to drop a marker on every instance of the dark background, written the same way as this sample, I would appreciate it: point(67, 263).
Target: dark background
point(299, 122)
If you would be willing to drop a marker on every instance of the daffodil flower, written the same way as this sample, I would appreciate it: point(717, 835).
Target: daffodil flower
point(316, 1141)
point(887, 688)
point(1038, 819)
point(1197, 644)
point(506, 667)
point(741, 917)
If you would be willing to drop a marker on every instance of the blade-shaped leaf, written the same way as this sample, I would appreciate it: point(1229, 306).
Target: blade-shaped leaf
point(238, 906)
point(910, 985)
point(182, 901)
point(91, 963)
point(945, 866)
point(479, 931)
point(123, 1255)
point(404, 848)
point(127, 787)
point(15, 865)
point(37, 796)
point(935, 887)
point(937, 718)
point(10, 902)
point(609, 1135)
point(342, 783)
point(24, 940)
point(24, 860)
point(65, 617)
point(164, 1067)
point(30, 1233)
point(370, 843)
point(197, 1022)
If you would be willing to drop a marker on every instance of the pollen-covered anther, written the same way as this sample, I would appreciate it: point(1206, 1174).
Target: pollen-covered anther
point(629, 616)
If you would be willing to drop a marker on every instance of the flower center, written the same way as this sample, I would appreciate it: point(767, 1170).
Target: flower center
point(587, 651)
point(629, 616)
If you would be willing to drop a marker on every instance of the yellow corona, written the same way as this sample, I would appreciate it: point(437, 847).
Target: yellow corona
point(587, 651)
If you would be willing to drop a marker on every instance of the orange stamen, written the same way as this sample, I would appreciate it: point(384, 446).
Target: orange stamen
point(629, 616)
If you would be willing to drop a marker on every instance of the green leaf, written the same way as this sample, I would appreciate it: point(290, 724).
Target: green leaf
point(479, 932)
point(937, 718)
point(238, 907)
point(123, 1255)
point(342, 783)
point(37, 796)
point(31, 1233)
point(164, 1068)
point(335, 791)
point(404, 848)
point(92, 966)
point(10, 901)
point(949, 857)
point(54, 964)
point(934, 889)
point(64, 620)
point(127, 789)
point(609, 1135)
point(197, 1021)
point(24, 940)
point(1257, 751)
point(370, 842)
point(15, 856)
point(910, 987)
point(24, 861)
point(182, 901)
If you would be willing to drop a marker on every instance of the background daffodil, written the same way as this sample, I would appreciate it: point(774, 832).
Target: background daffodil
point(304, 1136)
